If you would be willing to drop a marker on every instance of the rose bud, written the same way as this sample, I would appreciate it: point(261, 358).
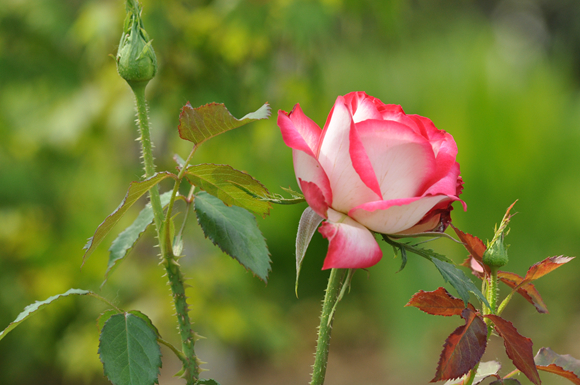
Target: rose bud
point(372, 168)
point(136, 60)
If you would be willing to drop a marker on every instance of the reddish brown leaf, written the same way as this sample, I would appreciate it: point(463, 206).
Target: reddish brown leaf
point(463, 348)
point(544, 267)
point(562, 365)
point(528, 290)
point(438, 302)
point(474, 246)
point(518, 347)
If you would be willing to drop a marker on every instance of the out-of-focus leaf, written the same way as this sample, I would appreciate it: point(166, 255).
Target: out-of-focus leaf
point(127, 238)
point(235, 231)
point(136, 191)
point(518, 347)
point(458, 280)
point(563, 365)
point(208, 381)
point(528, 290)
point(224, 182)
point(463, 349)
point(28, 310)
point(202, 123)
point(438, 302)
point(129, 351)
point(544, 267)
point(484, 370)
point(474, 246)
point(104, 317)
point(309, 222)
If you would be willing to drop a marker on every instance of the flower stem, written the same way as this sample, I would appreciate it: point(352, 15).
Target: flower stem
point(323, 344)
point(172, 268)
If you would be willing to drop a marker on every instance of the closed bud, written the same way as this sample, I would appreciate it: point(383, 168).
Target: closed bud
point(496, 253)
point(136, 61)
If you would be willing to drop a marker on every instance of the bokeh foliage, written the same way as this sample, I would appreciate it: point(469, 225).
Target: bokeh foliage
point(501, 76)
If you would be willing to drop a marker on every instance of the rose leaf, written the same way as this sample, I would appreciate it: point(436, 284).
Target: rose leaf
point(528, 290)
point(223, 182)
point(202, 123)
point(518, 347)
point(235, 231)
point(136, 191)
point(438, 302)
point(463, 349)
point(562, 365)
point(129, 350)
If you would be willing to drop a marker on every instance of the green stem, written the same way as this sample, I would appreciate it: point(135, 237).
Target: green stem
point(323, 344)
point(174, 275)
point(472, 374)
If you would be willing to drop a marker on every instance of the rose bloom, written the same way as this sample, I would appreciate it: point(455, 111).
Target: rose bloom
point(372, 168)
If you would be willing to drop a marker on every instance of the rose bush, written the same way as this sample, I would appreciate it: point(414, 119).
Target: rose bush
point(372, 168)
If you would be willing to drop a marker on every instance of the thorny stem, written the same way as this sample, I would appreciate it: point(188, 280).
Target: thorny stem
point(326, 318)
point(172, 268)
point(491, 294)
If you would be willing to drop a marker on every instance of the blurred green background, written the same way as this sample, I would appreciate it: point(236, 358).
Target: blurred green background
point(501, 76)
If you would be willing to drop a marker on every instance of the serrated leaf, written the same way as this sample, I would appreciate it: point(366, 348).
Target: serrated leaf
point(474, 246)
point(136, 190)
point(147, 320)
point(207, 381)
point(309, 222)
point(438, 302)
point(528, 290)
point(563, 365)
point(104, 317)
point(222, 181)
point(458, 280)
point(544, 267)
point(127, 238)
point(202, 123)
point(463, 349)
point(484, 371)
point(129, 351)
point(235, 231)
point(30, 309)
point(518, 347)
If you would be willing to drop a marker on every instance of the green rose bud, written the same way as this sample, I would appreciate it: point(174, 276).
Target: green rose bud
point(136, 61)
point(496, 253)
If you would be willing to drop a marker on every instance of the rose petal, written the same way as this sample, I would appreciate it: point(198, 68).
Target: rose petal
point(348, 190)
point(308, 169)
point(362, 106)
point(401, 159)
point(397, 215)
point(351, 245)
point(314, 196)
point(298, 138)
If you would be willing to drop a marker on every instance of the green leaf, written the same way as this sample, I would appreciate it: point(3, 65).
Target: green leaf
point(235, 231)
point(28, 310)
point(307, 226)
point(278, 198)
point(147, 320)
point(223, 182)
point(136, 191)
point(202, 123)
point(129, 351)
point(104, 317)
point(208, 381)
point(458, 280)
point(126, 239)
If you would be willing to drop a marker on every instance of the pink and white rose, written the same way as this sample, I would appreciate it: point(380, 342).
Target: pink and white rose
point(372, 168)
